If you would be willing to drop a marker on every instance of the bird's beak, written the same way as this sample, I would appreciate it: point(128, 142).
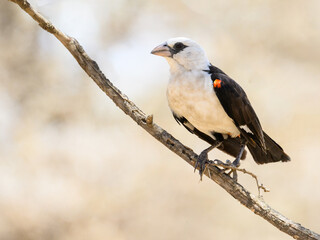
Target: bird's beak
point(162, 50)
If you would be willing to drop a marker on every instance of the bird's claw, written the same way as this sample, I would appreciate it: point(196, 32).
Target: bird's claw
point(225, 165)
point(201, 163)
point(228, 165)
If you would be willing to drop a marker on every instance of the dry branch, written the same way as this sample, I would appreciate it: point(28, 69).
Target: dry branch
point(255, 204)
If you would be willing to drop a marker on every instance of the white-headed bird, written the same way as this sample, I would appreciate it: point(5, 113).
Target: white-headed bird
point(213, 106)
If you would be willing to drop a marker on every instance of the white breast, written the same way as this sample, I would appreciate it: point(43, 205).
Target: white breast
point(190, 94)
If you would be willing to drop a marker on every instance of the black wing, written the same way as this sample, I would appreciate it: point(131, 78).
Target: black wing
point(237, 105)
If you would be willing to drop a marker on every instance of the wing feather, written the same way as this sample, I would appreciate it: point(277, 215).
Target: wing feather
point(238, 107)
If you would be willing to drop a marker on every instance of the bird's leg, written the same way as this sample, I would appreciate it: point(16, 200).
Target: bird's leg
point(236, 163)
point(203, 159)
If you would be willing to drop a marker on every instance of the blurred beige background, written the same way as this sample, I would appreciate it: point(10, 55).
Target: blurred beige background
point(73, 166)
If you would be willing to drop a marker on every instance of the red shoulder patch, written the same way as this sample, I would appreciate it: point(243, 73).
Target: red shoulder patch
point(217, 83)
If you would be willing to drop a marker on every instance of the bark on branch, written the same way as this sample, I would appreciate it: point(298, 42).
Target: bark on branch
point(255, 204)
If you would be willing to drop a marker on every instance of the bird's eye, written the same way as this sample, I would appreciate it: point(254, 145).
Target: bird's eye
point(179, 46)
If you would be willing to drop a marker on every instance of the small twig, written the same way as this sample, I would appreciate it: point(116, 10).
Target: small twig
point(149, 119)
point(227, 167)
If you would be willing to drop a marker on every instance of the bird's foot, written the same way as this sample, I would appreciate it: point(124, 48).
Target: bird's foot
point(232, 166)
point(203, 160)
point(201, 163)
point(228, 165)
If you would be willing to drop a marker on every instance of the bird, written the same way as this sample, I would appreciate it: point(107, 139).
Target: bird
point(213, 106)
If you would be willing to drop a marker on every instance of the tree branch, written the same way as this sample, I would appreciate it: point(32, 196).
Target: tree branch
point(255, 204)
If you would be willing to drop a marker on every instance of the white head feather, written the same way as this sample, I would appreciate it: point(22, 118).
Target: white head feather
point(192, 57)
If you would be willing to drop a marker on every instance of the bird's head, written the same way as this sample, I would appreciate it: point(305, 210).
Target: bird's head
point(182, 52)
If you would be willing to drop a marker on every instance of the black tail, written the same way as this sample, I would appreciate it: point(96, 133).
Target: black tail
point(274, 152)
